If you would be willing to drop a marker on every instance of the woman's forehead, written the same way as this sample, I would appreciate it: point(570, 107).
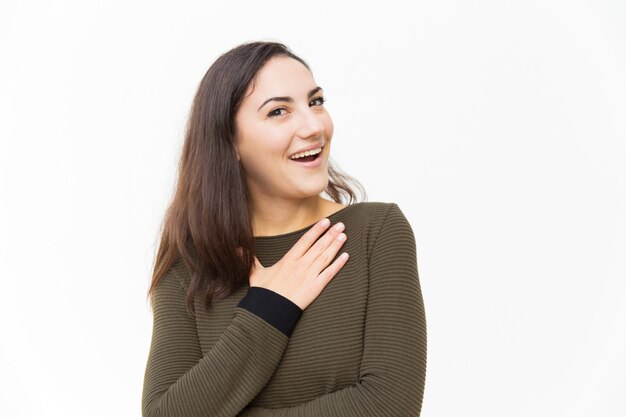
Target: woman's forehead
point(279, 77)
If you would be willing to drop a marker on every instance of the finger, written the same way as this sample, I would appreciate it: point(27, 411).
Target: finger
point(304, 243)
point(332, 270)
point(323, 244)
point(327, 255)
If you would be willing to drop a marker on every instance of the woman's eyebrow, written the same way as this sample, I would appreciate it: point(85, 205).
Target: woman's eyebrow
point(289, 99)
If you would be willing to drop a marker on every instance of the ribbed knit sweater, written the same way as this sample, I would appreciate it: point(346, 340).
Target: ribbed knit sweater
point(358, 350)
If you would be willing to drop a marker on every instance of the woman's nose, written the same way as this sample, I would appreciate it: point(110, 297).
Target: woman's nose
point(310, 124)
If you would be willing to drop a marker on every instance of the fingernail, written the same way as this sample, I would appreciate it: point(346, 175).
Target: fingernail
point(325, 222)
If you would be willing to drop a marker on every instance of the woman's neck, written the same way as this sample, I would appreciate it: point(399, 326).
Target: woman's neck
point(273, 217)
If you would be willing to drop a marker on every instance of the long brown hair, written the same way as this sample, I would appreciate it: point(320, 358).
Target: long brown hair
point(209, 215)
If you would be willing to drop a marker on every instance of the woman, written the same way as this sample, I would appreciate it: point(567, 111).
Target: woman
point(256, 311)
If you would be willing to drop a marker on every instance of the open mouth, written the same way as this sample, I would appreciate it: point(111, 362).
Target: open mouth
point(309, 158)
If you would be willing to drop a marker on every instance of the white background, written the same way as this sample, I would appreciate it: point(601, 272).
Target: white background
point(498, 127)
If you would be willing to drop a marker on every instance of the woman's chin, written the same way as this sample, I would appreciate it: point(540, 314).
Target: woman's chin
point(313, 187)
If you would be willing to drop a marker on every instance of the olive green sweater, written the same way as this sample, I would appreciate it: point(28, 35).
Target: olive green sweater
point(358, 350)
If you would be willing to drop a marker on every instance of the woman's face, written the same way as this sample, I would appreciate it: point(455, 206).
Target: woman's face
point(281, 114)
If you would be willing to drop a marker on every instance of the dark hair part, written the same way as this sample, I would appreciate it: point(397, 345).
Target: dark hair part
point(209, 216)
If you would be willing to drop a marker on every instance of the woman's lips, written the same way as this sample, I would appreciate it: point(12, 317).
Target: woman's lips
point(310, 164)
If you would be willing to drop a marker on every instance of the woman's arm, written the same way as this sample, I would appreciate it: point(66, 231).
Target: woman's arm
point(393, 367)
point(179, 381)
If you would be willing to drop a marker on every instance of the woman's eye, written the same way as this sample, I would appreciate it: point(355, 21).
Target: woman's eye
point(273, 112)
point(321, 99)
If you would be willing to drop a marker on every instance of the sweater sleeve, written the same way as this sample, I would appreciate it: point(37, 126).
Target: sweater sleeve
point(180, 381)
point(393, 367)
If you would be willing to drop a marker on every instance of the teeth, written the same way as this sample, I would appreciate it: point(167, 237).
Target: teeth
point(303, 154)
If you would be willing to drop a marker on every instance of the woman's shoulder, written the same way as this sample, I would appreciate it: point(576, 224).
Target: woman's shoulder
point(177, 274)
point(370, 217)
point(371, 212)
point(379, 221)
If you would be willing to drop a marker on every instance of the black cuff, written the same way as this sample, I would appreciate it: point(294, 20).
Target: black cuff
point(272, 307)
